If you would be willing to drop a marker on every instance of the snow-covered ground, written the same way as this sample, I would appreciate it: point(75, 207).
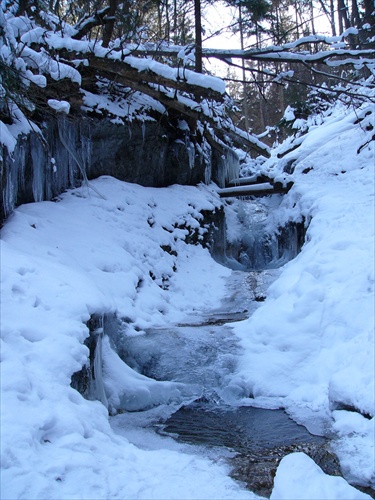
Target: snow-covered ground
point(120, 249)
point(62, 262)
point(310, 348)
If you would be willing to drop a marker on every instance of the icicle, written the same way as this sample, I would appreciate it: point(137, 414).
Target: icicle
point(73, 154)
point(39, 161)
point(143, 128)
point(11, 185)
point(207, 157)
point(96, 380)
point(191, 153)
point(232, 165)
point(228, 167)
point(86, 147)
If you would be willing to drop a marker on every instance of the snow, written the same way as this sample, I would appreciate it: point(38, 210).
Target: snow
point(355, 447)
point(183, 74)
point(58, 42)
point(264, 186)
point(85, 254)
point(289, 114)
point(311, 345)
point(132, 391)
point(119, 249)
point(59, 106)
point(20, 125)
point(299, 478)
point(136, 105)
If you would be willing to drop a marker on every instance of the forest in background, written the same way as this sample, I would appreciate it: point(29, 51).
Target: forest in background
point(283, 60)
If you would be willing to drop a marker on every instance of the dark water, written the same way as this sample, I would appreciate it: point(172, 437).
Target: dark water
point(238, 428)
point(258, 439)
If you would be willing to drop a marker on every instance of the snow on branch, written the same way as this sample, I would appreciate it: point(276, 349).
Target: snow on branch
point(154, 69)
point(88, 22)
point(281, 54)
point(339, 51)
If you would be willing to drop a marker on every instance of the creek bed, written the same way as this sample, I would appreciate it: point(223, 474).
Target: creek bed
point(204, 351)
point(258, 437)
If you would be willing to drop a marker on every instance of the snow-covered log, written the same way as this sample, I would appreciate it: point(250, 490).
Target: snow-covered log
point(262, 189)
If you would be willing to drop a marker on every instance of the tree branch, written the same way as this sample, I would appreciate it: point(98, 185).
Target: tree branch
point(88, 22)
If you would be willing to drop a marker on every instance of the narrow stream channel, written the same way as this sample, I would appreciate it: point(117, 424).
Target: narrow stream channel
point(205, 352)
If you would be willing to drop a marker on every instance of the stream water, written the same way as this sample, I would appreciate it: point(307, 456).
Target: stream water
point(205, 352)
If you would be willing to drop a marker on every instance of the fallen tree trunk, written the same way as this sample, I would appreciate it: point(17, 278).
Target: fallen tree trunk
point(261, 189)
point(169, 92)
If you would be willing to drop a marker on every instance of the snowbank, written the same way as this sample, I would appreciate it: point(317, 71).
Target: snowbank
point(310, 347)
point(299, 478)
point(120, 249)
point(117, 249)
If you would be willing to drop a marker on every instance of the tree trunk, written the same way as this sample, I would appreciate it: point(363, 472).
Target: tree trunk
point(369, 9)
point(198, 36)
point(22, 6)
point(333, 24)
point(168, 22)
point(245, 103)
point(342, 9)
point(159, 20)
point(109, 26)
point(174, 27)
point(296, 18)
point(355, 17)
point(312, 17)
point(367, 37)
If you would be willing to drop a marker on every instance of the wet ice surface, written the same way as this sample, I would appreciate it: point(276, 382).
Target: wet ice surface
point(183, 354)
point(203, 349)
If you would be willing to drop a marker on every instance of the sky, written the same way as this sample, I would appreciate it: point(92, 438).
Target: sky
point(219, 16)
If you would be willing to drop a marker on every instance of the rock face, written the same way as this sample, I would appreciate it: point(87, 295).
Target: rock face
point(73, 150)
point(257, 467)
point(144, 153)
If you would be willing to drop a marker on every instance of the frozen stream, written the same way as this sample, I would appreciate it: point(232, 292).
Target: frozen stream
point(204, 351)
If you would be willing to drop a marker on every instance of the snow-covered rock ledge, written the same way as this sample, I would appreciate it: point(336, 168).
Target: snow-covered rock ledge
point(39, 163)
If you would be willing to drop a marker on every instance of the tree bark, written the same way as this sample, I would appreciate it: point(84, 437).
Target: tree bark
point(85, 24)
point(369, 9)
point(312, 17)
point(355, 17)
point(109, 26)
point(198, 36)
point(342, 9)
point(245, 103)
point(167, 22)
point(333, 24)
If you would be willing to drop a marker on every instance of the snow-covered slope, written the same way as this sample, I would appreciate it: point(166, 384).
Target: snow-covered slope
point(62, 262)
point(310, 347)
